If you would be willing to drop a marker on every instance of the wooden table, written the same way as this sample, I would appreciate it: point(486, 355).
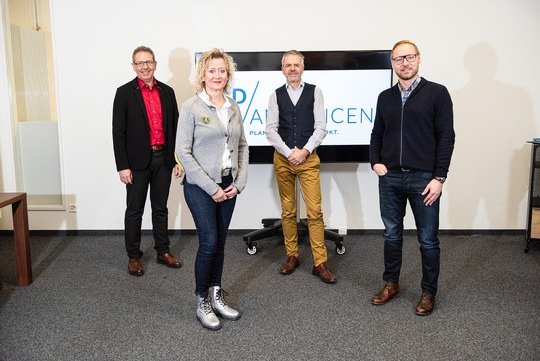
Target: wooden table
point(21, 235)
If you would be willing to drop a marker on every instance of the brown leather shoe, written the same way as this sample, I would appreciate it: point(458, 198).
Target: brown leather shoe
point(323, 273)
point(168, 260)
point(135, 267)
point(289, 266)
point(426, 304)
point(389, 291)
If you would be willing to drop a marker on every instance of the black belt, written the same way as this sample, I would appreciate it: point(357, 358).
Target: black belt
point(225, 172)
point(158, 148)
point(405, 170)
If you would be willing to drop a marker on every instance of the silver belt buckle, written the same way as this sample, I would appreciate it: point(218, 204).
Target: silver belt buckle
point(225, 172)
point(405, 170)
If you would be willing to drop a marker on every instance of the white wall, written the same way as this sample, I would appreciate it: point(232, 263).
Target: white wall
point(484, 51)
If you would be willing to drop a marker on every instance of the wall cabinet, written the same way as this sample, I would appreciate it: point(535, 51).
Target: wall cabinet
point(533, 210)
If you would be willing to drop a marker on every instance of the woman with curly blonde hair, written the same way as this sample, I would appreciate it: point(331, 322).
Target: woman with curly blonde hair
point(212, 148)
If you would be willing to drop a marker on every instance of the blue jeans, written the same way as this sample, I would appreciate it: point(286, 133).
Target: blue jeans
point(395, 189)
point(212, 222)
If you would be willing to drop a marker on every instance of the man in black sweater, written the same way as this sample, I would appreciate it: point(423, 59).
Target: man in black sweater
point(411, 147)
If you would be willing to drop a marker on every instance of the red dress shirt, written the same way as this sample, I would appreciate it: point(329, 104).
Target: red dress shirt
point(152, 104)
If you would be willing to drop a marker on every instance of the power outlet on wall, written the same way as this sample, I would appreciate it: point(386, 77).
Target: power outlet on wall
point(342, 230)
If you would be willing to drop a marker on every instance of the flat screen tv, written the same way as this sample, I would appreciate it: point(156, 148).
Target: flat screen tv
point(350, 81)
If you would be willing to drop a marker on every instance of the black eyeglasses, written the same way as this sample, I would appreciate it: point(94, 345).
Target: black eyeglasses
point(141, 64)
point(398, 60)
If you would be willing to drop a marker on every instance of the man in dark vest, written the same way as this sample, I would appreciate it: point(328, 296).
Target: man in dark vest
point(295, 127)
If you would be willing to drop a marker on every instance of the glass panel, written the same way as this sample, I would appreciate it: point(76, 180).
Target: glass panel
point(39, 172)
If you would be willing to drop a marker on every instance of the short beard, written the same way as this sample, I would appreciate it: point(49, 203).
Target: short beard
point(409, 77)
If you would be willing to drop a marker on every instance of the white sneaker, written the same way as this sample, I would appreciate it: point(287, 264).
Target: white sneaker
point(205, 314)
point(219, 306)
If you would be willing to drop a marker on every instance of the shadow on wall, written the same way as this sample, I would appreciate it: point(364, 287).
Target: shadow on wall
point(346, 182)
point(1, 177)
point(492, 121)
point(180, 64)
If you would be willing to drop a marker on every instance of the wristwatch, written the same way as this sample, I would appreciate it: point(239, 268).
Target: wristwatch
point(440, 179)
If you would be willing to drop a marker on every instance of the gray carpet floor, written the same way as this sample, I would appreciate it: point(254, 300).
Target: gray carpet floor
point(83, 305)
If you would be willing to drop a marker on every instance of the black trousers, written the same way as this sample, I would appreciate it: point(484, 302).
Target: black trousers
point(158, 177)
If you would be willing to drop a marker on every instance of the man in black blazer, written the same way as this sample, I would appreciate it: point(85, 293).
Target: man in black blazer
point(145, 118)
